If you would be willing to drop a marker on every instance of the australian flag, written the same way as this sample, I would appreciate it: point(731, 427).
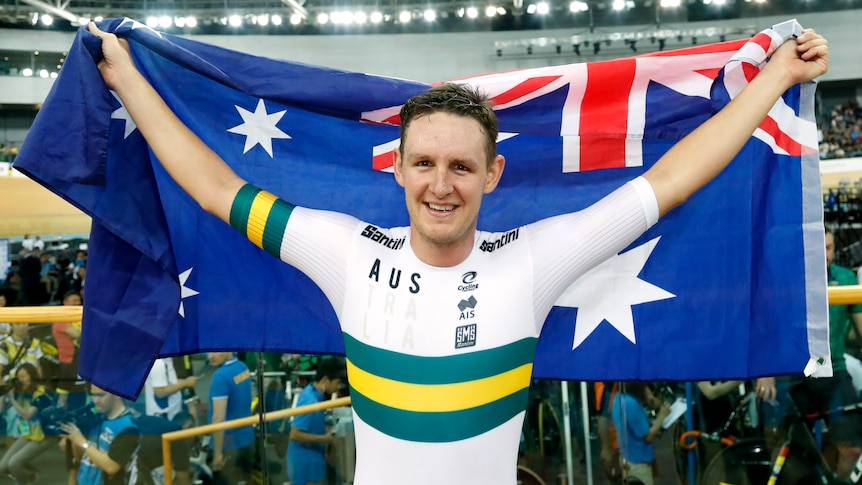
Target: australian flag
point(730, 285)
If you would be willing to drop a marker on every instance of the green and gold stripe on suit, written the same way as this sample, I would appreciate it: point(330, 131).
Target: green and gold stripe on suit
point(261, 217)
point(438, 399)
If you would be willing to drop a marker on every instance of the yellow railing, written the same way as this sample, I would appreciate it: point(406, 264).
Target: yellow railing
point(167, 438)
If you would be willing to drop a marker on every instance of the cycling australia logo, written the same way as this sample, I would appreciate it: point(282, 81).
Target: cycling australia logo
point(468, 281)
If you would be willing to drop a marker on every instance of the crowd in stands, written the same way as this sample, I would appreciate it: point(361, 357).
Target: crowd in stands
point(8, 152)
point(839, 133)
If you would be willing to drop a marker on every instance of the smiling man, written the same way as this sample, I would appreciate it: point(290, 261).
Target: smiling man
point(440, 320)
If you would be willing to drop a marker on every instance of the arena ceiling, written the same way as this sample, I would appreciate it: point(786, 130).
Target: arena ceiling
point(399, 16)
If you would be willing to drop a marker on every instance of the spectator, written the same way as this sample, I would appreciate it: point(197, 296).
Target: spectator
point(306, 453)
point(71, 391)
point(110, 447)
point(163, 391)
point(229, 399)
point(28, 397)
point(150, 464)
point(16, 349)
point(32, 291)
point(635, 433)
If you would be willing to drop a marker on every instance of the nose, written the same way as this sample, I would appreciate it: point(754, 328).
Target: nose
point(441, 186)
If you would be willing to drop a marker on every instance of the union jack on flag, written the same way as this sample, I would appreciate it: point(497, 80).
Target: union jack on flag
point(741, 263)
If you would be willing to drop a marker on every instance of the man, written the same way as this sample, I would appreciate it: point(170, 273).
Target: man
point(71, 391)
point(420, 405)
point(150, 460)
point(110, 446)
point(15, 349)
point(636, 433)
point(163, 391)
point(306, 453)
point(825, 393)
point(230, 398)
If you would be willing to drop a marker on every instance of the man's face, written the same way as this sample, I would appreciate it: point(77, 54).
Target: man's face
point(20, 330)
point(331, 385)
point(830, 248)
point(651, 399)
point(102, 400)
point(219, 358)
point(444, 172)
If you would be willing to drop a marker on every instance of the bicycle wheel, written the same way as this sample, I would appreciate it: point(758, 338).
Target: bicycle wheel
point(750, 462)
point(747, 462)
point(550, 430)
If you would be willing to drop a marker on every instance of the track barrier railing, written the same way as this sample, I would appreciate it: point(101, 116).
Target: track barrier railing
point(837, 295)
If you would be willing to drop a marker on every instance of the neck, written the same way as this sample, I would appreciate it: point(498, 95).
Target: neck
point(116, 411)
point(319, 386)
point(442, 255)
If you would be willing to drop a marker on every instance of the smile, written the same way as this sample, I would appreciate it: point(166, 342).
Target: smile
point(445, 208)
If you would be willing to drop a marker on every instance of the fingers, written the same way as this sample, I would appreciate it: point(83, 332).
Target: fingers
point(811, 44)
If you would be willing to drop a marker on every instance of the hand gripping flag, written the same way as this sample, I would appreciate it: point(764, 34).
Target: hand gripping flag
point(730, 285)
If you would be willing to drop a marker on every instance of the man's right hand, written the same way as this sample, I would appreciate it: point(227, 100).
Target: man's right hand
point(189, 382)
point(116, 57)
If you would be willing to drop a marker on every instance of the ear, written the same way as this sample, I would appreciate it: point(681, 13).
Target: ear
point(495, 171)
point(396, 165)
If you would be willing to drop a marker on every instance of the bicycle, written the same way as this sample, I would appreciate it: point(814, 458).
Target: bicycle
point(799, 460)
point(704, 444)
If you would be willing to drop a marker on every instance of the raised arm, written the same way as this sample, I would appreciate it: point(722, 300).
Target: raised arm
point(705, 152)
point(191, 163)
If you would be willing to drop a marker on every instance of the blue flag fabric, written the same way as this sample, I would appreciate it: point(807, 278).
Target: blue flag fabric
point(730, 285)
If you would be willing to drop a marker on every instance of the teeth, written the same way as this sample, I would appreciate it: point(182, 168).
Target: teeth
point(446, 208)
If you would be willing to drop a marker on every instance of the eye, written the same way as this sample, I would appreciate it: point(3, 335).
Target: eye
point(423, 163)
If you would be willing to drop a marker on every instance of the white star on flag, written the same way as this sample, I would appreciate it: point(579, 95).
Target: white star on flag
point(185, 291)
point(137, 25)
point(122, 114)
point(259, 127)
point(608, 291)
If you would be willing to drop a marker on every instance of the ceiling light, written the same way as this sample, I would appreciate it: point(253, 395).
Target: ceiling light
point(472, 12)
point(578, 6)
point(263, 20)
point(180, 22)
point(429, 15)
point(43, 73)
point(27, 72)
point(191, 21)
point(152, 22)
point(165, 21)
point(620, 4)
point(295, 19)
point(360, 17)
point(531, 8)
point(234, 20)
point(543, 8)
point(491, 11)
point(404, 17)
point(47, 19)
point(376, 17)
point(501, 11)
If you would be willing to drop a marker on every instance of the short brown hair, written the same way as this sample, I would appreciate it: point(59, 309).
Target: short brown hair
point(461, 100)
